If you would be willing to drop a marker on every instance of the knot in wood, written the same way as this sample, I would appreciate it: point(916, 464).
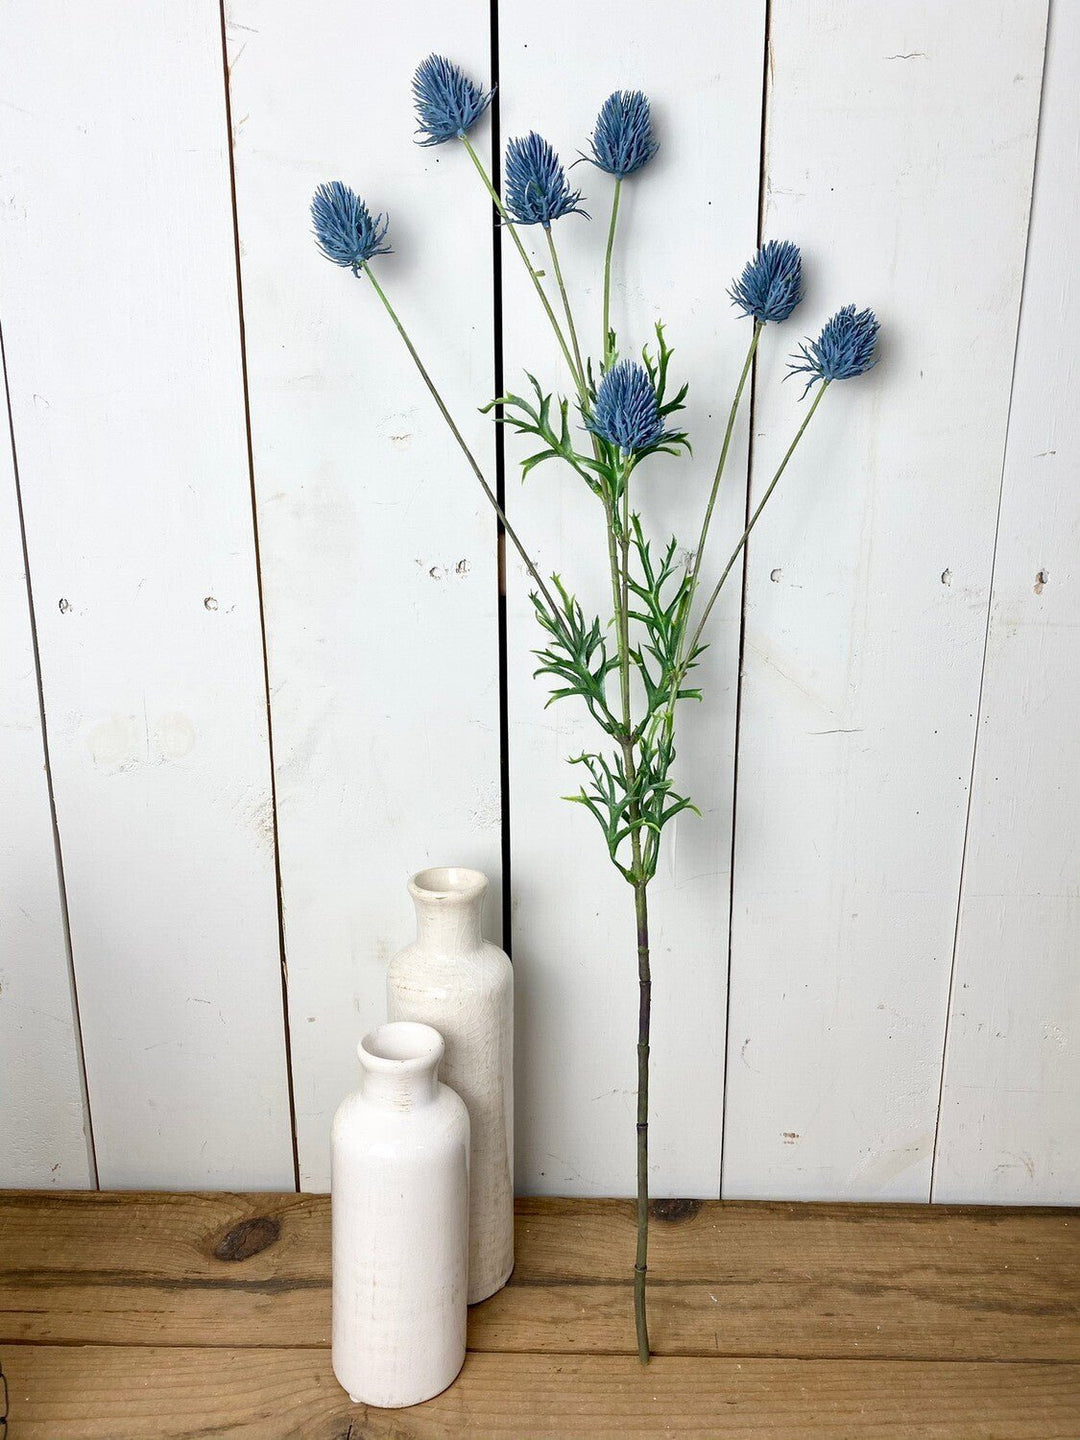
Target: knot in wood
point(674, 1211)
point(248, 1238)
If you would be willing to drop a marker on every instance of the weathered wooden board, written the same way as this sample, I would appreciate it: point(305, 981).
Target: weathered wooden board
point(87, 1393)
point(1010, 1119)
point(122, 337)
point(687, 223)
point(43, 1121)
point(378, 550)
point(832, 1281)
point(899, 154)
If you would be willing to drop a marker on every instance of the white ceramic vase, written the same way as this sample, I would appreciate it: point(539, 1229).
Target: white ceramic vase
point(399, 1220)
point(453, 979)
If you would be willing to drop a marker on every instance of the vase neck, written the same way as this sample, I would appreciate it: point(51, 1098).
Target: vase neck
point(399, 1065)
point(449, 905)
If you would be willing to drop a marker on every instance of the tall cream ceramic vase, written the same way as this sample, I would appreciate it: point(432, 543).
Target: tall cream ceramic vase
point(399, 1221)
point(453, 979)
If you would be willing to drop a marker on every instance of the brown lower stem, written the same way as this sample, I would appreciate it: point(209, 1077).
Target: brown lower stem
point(641, 911)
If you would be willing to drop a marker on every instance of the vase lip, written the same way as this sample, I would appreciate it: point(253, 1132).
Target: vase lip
point(401, 1047)
point(448, 885)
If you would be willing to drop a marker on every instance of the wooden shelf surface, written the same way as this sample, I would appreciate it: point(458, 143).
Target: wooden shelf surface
point(155, 1317)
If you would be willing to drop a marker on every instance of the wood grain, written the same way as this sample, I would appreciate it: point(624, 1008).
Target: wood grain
point(123, 355)
point(378, 547)
point(687, 223)
point(43, 1117)
point(92, 1393)
point(868, 582)
point(739, 1280)
point(1010, 1122)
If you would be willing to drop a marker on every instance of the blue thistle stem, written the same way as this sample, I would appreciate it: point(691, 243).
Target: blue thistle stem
point(607, 270)
point(618, 540)
point(707, 521)
point(566, 303)
point(579, 381)
point(463, 446)
point(752, 522)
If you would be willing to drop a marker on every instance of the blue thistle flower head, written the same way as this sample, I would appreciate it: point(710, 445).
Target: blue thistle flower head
point(627, 412)
point(622, 141)
point(448, 103)
point(771, 285)
point(344, 229)
point(846, 347)
point(537, 191)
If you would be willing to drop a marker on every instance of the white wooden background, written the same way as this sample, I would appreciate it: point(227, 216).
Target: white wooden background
point(249, 597)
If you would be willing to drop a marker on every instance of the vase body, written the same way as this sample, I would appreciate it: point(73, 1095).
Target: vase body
point(452, 979)
point(399, 1223)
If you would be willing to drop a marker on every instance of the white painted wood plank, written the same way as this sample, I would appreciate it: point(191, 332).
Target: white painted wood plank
point(120, 315)
point(1010, 1120)
point(688, 223)
point(378, 548)
point(43, 1125)
point(900, 152)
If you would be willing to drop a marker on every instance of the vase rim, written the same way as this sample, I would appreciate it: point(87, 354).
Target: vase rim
point(448, 885)
point(401, 1047)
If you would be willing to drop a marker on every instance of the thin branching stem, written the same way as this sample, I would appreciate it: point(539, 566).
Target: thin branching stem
point(699, 550)
point(607, 265)
point(533, 274)
point(469, 456)
point(696, 638)
point(729, 430)
point(579, 377)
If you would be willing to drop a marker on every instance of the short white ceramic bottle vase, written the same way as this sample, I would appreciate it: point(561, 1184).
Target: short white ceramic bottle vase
point(453, 979)
point(399, 1190)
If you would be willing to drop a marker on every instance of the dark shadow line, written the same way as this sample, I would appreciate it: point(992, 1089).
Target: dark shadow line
point(262, 609)
point(986, 631)
point(500, 492)
point(762, 179)
point(65, 918)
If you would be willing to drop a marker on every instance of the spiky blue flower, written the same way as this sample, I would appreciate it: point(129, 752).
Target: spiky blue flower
point(344, 229)
point(627, 412)
point(537, 191)
point(845, 348)
point(448, 103)
point(622, 141)
point(771, 285)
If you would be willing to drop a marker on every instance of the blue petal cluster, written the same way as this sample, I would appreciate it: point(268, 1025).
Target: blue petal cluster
point(537, 191)
point(623, 140)
point(771, 285)
point(344, 229)
point(845, 348)
point(448, 103)
point(627, 413)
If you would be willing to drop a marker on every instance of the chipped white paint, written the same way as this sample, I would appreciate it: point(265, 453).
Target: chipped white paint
point(687, 223)
point(42, 1112)
point(861, 666)
point(377, 546)
point(1010, 1116)
point(120, 323)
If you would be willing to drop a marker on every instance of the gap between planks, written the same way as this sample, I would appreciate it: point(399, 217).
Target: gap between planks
point(741, 1280)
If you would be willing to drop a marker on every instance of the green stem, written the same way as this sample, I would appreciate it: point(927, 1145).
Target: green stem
point(607, 265)
point(722, 462)
point(509, 529)
point(752, 522)
point(529, 266)
point(641, 1261)
point(699, 550)
point(580, 375)
point(619, 592)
